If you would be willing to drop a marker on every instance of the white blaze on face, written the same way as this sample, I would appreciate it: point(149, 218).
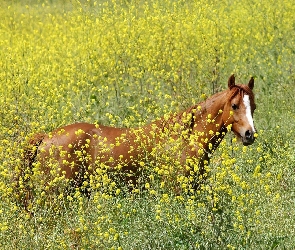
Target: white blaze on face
point(246, 101)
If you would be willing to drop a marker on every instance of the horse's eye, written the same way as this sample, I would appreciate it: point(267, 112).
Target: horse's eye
point(234, 106)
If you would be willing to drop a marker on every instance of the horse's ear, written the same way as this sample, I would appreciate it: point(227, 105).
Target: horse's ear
point(251, 83)
point(231, 81)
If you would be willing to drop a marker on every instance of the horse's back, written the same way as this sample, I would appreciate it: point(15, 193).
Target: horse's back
point(92, 139)
point(80, 131)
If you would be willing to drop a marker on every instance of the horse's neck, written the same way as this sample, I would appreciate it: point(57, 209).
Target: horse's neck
point(209, 119)
point(211, 107)
point(199, 122)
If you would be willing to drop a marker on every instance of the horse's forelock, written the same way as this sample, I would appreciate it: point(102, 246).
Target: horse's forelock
point(242, 90)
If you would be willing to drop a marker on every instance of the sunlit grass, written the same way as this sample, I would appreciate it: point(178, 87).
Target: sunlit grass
point(126, 63)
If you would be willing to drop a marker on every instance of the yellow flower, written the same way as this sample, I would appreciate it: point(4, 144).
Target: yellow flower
point(203, 96)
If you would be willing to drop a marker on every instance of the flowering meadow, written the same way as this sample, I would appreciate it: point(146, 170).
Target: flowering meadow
point(125, 63)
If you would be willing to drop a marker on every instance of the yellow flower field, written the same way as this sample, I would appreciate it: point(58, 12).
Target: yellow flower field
point(124, 64)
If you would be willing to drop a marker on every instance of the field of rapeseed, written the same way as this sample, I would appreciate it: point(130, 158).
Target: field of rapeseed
point(125, 63)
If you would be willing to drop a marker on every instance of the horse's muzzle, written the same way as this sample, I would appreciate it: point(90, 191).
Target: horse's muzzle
point(249, 138)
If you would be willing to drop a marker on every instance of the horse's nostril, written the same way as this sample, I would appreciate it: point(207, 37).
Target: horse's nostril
point(248, 134)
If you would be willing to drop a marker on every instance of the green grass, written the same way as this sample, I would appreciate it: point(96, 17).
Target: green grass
point(125, 63)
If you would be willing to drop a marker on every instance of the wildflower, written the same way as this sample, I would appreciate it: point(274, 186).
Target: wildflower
point(79, 132)
point(153, 192)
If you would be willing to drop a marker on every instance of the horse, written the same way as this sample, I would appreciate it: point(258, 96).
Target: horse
point(80, 149)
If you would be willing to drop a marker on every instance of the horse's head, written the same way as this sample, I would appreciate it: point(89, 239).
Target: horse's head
point(238, 110)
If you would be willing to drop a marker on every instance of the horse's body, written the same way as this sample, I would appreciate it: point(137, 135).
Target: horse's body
point(81, 147)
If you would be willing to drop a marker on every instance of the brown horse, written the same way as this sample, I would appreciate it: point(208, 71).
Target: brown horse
point(82, 148)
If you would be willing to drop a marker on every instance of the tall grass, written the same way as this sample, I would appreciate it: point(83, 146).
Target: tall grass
point(126, 63)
